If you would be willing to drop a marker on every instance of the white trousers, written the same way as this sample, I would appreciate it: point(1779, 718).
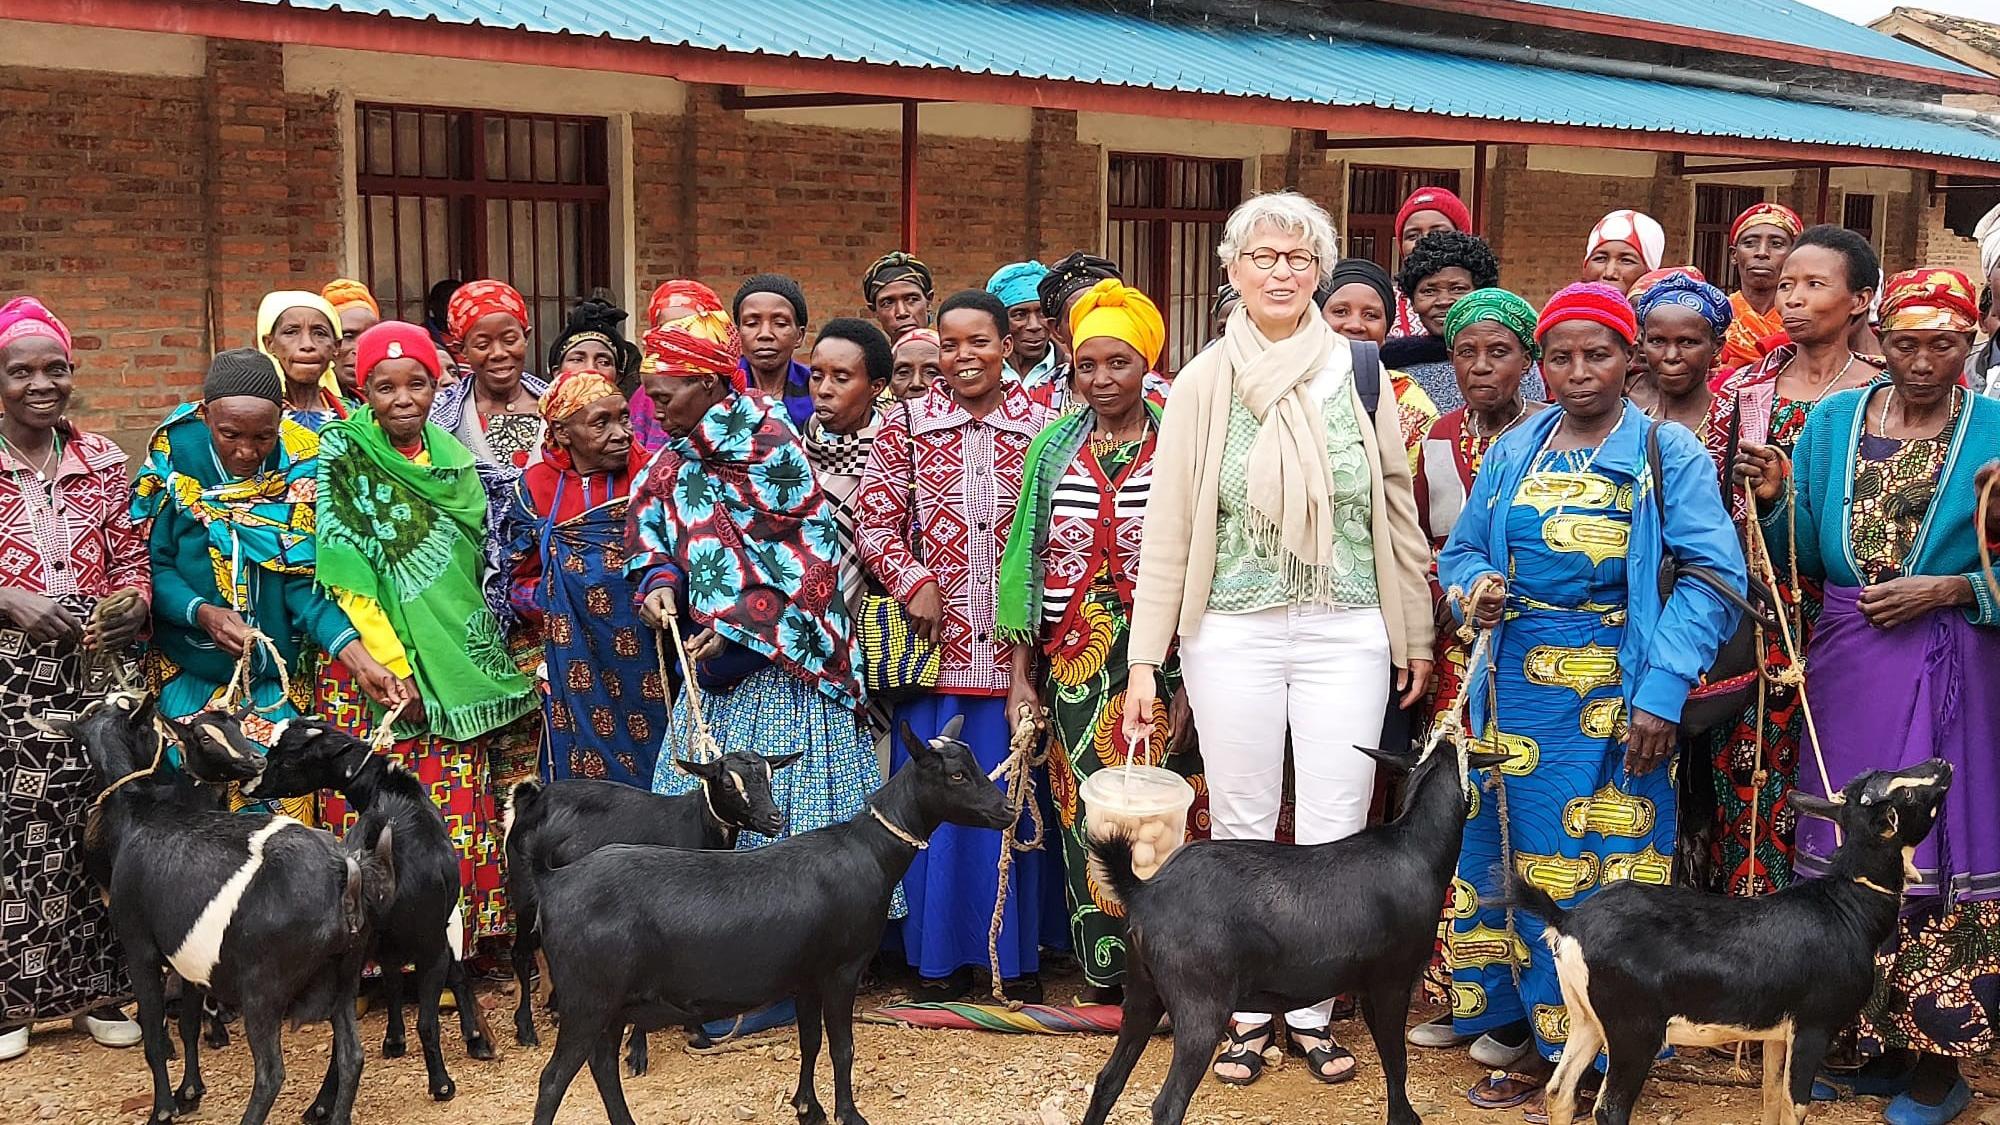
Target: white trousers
point(1323, 674)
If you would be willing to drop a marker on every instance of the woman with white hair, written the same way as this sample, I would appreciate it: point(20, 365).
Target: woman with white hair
point(1281, 545)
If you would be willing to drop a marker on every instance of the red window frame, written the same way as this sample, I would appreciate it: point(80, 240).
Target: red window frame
point(1163, 219)
point(1374, 193)
point(1715, 209)
point(523, 197)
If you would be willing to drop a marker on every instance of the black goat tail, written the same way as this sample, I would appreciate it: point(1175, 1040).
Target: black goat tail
point(1537, 902)
point(1111, 869)
point(524, 805)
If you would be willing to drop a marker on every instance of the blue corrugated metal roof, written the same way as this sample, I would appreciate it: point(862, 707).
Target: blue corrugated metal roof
point(1048, 40)
point(1778, 21)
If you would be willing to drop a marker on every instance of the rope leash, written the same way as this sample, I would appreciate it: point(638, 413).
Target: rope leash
point(239, 678)
point(1985, 507)
point(1025, 750)
point(1794, 674)
point(702, 747)
point(384, 735)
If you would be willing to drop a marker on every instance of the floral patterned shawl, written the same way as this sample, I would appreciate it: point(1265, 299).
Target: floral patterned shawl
point(733, 516)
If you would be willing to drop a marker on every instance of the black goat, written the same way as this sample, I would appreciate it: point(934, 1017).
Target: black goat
point(1644, 966)
point(554, 825)
point(424, 928)
point(653, 936)
point(1232, 925)
point(269, 915)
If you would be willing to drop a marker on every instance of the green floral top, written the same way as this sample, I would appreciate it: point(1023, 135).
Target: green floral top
point(1249, 574)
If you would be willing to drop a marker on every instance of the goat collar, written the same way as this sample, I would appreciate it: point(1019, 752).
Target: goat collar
point(898, 833)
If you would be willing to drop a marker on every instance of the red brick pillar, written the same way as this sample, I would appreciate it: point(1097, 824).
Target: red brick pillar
point(1064, 196)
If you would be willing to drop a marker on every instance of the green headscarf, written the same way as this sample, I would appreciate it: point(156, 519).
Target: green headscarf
point(1508, 310)
point(410, 537)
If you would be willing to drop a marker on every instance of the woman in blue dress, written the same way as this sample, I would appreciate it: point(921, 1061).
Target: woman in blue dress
point(1558, 551)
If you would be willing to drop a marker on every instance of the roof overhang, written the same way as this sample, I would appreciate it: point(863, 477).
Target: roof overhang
point(283, 24)
point(1622, 27)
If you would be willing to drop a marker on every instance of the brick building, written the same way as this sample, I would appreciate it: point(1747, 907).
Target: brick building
point(163, 163)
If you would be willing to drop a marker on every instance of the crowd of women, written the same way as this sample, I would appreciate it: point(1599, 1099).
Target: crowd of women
point(722, 526)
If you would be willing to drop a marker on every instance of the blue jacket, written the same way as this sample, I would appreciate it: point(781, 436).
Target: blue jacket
point(1823, 484)
point(1665, 647)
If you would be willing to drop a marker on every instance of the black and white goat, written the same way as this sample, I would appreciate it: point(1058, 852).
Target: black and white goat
point(424, 928)
point(554, 825)
point(1235, 925)
point(652, 936)
point(1643, 967)
point(267, 914)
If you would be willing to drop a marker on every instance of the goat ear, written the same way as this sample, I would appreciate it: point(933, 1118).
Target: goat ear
point(952, 727)
point(1401, 763)
point(693, 768)
point(918, 748)
point(53, 728)
point(784, 760)
point(1809, 805)
point(1487, 759)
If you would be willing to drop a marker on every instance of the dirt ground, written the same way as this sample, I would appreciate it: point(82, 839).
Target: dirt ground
point(903, 1076)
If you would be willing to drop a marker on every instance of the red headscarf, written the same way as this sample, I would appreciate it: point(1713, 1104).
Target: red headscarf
point(685, 293)
point(1941, 300)
point(694, 346)
point(1770, 215)
point(23, 317)
point(1593, 301)
point(1442, 200)
point(481, 298)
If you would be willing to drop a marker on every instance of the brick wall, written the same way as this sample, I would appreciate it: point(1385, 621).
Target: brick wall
point(1540, 220)
point(101, 217)
point(147, 222)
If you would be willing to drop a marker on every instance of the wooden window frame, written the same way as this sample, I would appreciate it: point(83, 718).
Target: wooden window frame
point(1162, 221)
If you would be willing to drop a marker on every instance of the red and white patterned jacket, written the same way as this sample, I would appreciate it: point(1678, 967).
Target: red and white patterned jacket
point(968, 477)
point(85, 545)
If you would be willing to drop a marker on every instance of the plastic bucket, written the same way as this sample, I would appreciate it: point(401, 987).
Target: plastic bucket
point(1146, 804)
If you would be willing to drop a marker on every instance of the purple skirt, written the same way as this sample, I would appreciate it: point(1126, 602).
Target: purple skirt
point(1885, 699)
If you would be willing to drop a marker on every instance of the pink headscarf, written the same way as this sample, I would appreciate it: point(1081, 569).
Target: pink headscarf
point(23, 317)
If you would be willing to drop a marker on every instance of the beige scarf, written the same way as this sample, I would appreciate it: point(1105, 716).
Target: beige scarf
point(1290, 478)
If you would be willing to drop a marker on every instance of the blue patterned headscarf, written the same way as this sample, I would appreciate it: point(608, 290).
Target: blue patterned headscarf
point(1015, 283)
point(1688, 292)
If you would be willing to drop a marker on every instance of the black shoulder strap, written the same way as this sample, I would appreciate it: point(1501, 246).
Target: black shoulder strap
point(1669, 572)
point(1368, 374)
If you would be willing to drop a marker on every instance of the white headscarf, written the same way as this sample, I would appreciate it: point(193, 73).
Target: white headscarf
point(1988, 235)
point(1639, 231)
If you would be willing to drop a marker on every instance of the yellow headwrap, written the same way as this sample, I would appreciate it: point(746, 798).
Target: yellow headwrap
point(1115, 309)
point(275, 305)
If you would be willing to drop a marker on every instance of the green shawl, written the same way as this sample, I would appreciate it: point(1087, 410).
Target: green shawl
point(1018, 619)
point(410, 537)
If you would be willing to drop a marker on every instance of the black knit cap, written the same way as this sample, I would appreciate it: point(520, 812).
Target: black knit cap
point(770, 283)
point(1077, 272)
point(243, 373)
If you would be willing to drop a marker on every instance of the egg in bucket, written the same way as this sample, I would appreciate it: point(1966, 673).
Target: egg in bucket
point(1145, 804)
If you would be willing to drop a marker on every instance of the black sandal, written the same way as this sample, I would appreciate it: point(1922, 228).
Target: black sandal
point(1317, 1058)
point(1238, 1052)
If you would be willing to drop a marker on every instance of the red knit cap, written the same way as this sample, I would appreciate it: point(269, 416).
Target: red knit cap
point(1442, 200)
point(393, 339)
point(1593, 301)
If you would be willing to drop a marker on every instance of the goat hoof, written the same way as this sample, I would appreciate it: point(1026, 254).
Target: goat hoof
point(525, 1034)
point(636, 1060)
point(481, 1048)
point(160, 1117)
point(443, 1091)
point(809, 1113)
point(217, 1037)
point(315, 1114)
point(187, 1099)
point(394, 1048)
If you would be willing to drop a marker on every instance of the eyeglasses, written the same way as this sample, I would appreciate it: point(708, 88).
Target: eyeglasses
point(1265, 258)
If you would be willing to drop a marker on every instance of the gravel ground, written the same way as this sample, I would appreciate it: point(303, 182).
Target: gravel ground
point(902, 1077)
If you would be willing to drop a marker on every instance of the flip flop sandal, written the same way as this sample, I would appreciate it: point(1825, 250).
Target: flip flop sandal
point(1505, 1089)
point(1238, 1053)
point(1317, 1058)
point(1535, 1111)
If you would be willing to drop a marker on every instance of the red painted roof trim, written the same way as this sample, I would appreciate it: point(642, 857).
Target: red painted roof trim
point(226, 19)
point(1620, 27)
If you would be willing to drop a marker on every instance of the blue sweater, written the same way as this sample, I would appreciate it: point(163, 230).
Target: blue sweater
point(1823, 465)
point(1666, 645)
